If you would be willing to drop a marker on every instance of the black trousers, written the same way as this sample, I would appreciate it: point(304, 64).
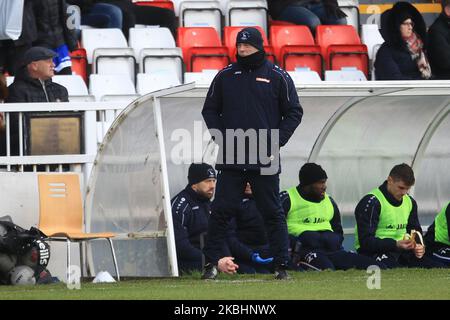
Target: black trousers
point(229, 192)
point(336, 260)
point(407, 259)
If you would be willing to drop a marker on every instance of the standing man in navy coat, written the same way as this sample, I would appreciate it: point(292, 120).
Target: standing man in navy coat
point(251, 110)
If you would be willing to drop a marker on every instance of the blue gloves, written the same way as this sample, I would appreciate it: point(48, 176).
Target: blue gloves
point(256, 258)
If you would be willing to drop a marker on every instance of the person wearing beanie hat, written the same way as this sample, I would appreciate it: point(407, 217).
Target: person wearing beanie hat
point(314, 225)
point(256, 101)
point(385, 217)
point(191, 209)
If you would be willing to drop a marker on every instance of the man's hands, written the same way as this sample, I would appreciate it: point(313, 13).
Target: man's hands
point(227, 265)
point(256, 258)
point(414, 242)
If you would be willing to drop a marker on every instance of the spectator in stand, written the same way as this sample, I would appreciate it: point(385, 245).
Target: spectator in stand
point(439, 43)
point(55, 32)
point(147, 15)
point(307, 12)
point(99, 14)
point(33, 83)
point(402, 56)
point(12, 51)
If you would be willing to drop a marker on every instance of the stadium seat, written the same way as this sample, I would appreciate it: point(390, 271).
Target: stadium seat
point(79, 63)
point(149, 82)
point(304, 75)
point(351, 9)
point(202, 49)
point(163, 59)
point(115, 61)
point(92, 39)
point(74, 84)
point(166, 4)
point(201, 14)
point(371, 36)
point(61, 214)
point(341, 47)
point(141, 38)
point(247, 13)
point(345, 74)
point(229, 40)
point(200, 78)
point(294, 47)
point(280, 23)
point(107, 84)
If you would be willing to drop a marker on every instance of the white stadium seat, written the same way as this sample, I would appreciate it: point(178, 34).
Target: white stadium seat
point(107, 84)
point(345, 74)
point(205, 13)
point(162, 59)
point(304, 75)
point(114, 61)
point(92, 39)
point(149, 82)
point(141, 38)
point(74, 84)
point(247, 13)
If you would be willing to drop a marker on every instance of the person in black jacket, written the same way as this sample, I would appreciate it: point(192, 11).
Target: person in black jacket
point(384, 216)
point(314, 224)
point(439, 43)
point(402, 56)
point(55, 31)
point(12, 51)
point(190, 215)
point(247, 238)
point(437, 238)
point(307, 12)
point(33, 83)
point(251, 110)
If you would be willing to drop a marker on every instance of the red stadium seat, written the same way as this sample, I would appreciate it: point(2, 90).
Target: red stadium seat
point(341, 47)
point(294, 47)
point(229, 40)
point(166, 4)
point(202, 48)
point(79, 63)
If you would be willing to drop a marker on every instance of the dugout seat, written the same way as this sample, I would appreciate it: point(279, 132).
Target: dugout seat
point(61, 214)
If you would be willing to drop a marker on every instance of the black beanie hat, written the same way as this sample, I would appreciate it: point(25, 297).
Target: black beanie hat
point(251, 36)
point(199, 172)
point(310, 173)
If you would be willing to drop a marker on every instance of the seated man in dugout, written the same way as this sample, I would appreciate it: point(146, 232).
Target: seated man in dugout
point(384, 219)
point(437, 238)
point(191, 209)
point(314, 224)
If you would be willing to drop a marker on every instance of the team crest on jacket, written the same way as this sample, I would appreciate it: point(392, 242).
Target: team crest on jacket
point(263, 80)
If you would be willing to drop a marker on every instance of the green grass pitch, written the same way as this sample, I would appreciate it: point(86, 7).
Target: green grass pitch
point(352, 284)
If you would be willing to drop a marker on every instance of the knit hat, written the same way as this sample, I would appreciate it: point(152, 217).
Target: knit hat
point(199, 172)
point(310, 173)
point(250, 36)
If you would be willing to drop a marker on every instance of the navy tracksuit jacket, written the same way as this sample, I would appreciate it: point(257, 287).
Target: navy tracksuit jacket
point(263, 98)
